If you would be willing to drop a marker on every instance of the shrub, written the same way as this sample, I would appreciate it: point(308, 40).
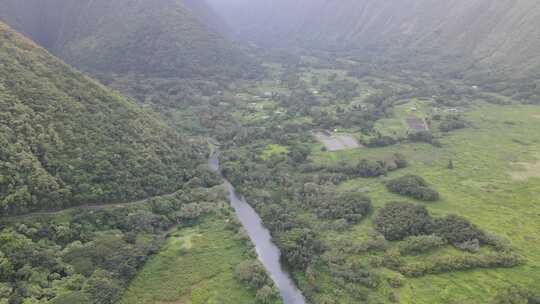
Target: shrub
point(452, 122)
point(396, 281)
point(400, 161)
point(350, 207)
point(266, 295)
point(301, 247)
point(470, 246)
point(516, 295)
point(392, 259)
point(381, 141)
point(103, 287)
point(422, 136)
point(460, 263)
point(355, 273)
point(368, 168)
point(457, 230)
point(413, 186)
point(397, 221)
point(252, 273)
point(420, 244)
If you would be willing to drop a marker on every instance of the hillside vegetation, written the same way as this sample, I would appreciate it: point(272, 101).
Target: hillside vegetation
point(494, 35)
point(165, 38)
point(66, 140)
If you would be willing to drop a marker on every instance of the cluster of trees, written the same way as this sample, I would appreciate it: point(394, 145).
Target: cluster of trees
point(252, 176)
point(397, 221)
point(523, 90)
point(350, 207)
point(367, 168)
point(413, 186)
point(298, 203)
point(517, 295)
point(401, 220)
point(364, 168)
point(253, 274)
point(381, 141)
point(451, 263)
point(417, 244)
point(301, 247)
point(354, 273)
point(66, 140)
point(419, 233)
point(89, 256)
point(452, 122)
point(343, 90)
point(422, 136)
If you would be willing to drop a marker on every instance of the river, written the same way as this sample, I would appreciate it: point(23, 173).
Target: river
point(267, 251)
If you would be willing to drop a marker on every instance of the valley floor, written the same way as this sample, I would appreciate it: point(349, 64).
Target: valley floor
point(196, 266)
point(494, 183)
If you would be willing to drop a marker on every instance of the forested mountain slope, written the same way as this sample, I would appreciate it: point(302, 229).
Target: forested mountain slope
point(482, 33)
point(66, 140)
point(168, 38)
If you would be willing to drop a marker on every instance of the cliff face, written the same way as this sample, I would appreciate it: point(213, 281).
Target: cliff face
point(483, 33)
point(158, 38)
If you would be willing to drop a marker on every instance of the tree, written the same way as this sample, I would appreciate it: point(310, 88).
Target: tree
point(422, 136)
point(413, 186)
point(516, 295)
point(266, 295)
point(301, 247)
point(351, 207)
point(400, 161)
point(457, 230)
point(398, 220)
point(103, 287)
point(252, 273)
point(368, 168)
point(452, 122)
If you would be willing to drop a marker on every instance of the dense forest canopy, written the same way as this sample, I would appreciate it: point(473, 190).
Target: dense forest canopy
point(67, 140)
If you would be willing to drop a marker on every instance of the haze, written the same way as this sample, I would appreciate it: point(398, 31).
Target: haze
point(269, 152)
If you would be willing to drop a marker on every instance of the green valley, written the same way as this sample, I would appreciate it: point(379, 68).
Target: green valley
point(248, 152)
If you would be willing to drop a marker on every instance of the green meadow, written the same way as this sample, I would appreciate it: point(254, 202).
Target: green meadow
point(495, 184)
point(196, 266)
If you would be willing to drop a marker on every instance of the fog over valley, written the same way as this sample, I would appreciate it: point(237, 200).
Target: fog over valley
point(269, 151)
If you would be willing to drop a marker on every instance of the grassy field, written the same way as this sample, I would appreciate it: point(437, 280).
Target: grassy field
point(195, 267)
point(494, 184)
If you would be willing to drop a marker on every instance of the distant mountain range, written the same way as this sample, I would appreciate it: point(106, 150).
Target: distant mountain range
point(179, 38)
point(502, 35)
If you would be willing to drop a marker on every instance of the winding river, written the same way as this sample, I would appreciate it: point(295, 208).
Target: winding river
point(267, 251)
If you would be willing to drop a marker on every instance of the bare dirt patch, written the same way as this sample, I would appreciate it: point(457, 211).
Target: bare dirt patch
point(537, 116)
point(417, 124)
point(529, 170)
point(337, 142)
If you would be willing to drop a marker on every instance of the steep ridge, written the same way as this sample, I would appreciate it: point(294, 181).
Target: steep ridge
point(482, 33)
point(66, 140)
point(164, 38)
